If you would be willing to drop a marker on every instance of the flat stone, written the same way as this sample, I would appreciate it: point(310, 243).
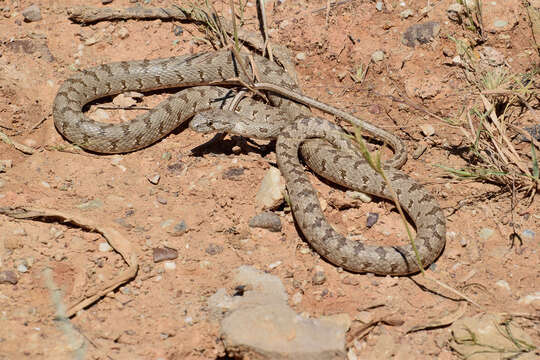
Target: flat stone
point(260, 325)
point(164, 253)
point(421, 33)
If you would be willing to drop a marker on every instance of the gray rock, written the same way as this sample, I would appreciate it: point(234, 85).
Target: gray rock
point(421, 33)
point(533, 130)
point(260, 324)
point(179, 229)
point(32, 13)
point(372, 219)
point(266, 220)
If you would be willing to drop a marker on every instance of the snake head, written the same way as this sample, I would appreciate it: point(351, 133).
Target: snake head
point(215, 120)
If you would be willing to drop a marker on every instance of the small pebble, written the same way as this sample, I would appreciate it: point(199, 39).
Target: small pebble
point(105, 2)
point(297, 298)
point(266, 220)
point(164, 253)
point(8, 277)
point(420, 33)
point(419, 150)
point(427, 129)
point(154, 179)
point(454, 12)
point(214, 249)
point(492, 56)
point(350, 280)
point(178, 30)
point(379, 5)
point(176, 167)
point(300, 56)
point(372, 219)
point(32, 13)
point(232, 173)
point(161, 200)
point(363, 197)
point(104, 247)
point(55, 233)
point(5, 164)
point(406, 13)
point(123, 32)
point(22, 268)
point(377, 56)
point(179, 228)
point(319, 277)
point(270, 193)
point(274, 265)
point(374, 109)
point(503, 284)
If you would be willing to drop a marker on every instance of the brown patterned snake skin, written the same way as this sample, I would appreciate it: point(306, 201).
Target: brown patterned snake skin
point(344, 165)
point(341, 166)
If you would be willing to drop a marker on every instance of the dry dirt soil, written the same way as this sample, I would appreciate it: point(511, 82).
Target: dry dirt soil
point(163, 312)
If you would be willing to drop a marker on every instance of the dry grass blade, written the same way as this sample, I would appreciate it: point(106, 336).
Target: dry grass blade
point(493, 155)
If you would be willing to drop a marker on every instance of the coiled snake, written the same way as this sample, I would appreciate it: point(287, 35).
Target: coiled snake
point(295, 129)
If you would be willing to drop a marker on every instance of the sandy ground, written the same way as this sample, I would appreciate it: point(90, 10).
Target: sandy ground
point(163, 312)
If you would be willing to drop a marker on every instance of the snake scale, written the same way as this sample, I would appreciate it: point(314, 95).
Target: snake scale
point(334, 158)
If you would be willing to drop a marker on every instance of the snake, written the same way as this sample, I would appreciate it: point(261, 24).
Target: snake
point(209, 79)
